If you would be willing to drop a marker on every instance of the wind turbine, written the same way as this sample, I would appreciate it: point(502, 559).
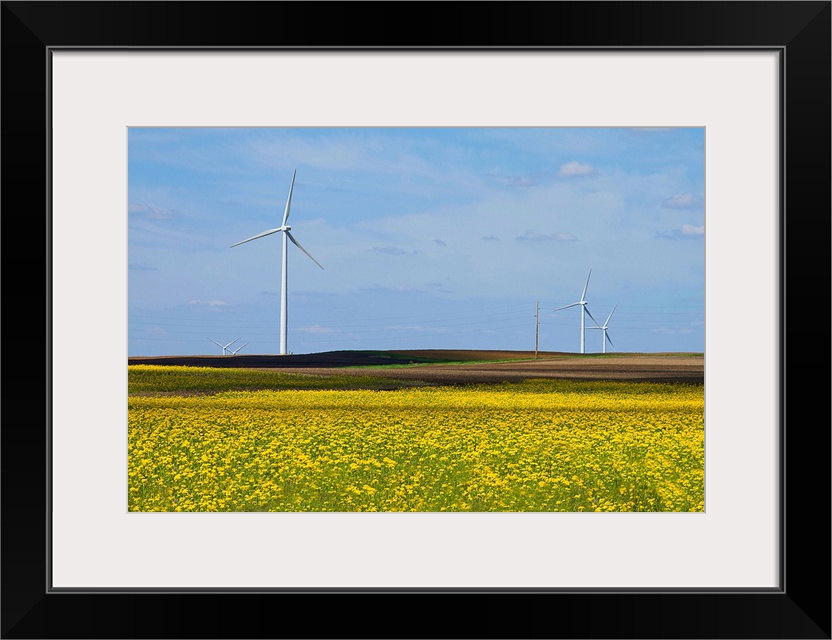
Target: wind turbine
point(234, 352)
point(225, 346)
point(284, 229)
point(605, 338)
point(584, 310)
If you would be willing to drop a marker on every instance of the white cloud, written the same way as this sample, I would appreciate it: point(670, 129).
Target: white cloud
point(683, 201)
point(650, 129)
point(522, 181)
point(315, 329)
point(575, 168)
point(149, 211)
point(536, 236)
point(210, 303)
point(691, 230)
point(674, 332)
point(137, 266)
point(685, 231)
point(393, 251)
point(395, 288)
point(418, 329)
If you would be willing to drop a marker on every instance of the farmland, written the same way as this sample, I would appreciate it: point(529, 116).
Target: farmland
point(462, 367)
point(428, 436)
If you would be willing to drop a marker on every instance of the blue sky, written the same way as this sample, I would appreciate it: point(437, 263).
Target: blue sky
point(430, 238)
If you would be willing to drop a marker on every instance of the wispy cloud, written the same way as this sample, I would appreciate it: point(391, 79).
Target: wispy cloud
point(415, 328)
point(650, 129)
point(392, 251)
point(396, 288)
point(315, 329)
point(683, 201)
point(576, 168)
point(149, 211)
point(522, 181)
point(519, 180)
point(686, 231)
point(672, 331)
point(536, 236)
point(139, 266)
point(209, 303)
point(441, 243)
point(491, 238)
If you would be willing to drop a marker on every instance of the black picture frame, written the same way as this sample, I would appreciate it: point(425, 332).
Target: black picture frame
point(799, 31)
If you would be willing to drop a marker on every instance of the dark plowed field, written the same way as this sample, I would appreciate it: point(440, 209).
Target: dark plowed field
point(464, 367)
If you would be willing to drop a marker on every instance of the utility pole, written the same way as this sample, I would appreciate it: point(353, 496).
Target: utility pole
point(536, 325)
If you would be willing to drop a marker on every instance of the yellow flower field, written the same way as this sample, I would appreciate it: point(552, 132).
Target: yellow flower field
point(536, 446)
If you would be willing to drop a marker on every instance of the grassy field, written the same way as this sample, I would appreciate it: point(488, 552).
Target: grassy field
point(158, 380)
point(204, 439)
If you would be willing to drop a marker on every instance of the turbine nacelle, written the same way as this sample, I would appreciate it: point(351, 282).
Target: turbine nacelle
point(262, 234)
point(584, 310)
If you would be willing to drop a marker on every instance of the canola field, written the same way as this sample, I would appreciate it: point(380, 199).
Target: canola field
point(540, 445)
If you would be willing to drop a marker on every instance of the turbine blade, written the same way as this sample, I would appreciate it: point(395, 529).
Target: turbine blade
point(217, 343)
point(590, 315)
point(610, 316)
point(289, 199)
point(237, 350)
point(297, 244)
point(574, 304)
point(259, 235)
point(608, 339)
point(583, 295)
point(232, 342)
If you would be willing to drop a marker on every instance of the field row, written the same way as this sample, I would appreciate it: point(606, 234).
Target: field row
point(534, 446)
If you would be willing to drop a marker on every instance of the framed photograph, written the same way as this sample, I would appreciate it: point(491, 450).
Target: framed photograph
point(753, 77)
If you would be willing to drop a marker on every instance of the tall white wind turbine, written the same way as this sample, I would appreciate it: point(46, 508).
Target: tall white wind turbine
point(224, 347)
point(584, 310)
point(285, 230)
point(605, 337)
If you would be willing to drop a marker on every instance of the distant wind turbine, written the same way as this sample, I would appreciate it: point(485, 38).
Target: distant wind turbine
point(605, 338)
point(584, 310)
point(234, 352)
point(224, 347)
point(284, 229)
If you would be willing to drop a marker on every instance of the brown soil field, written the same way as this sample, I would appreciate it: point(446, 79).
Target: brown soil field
point(432, 367)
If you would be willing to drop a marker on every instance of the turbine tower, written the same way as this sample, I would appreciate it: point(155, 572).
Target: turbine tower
point(584, 310)
point(605, 338)
point(224, 347)
point(285, 231)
